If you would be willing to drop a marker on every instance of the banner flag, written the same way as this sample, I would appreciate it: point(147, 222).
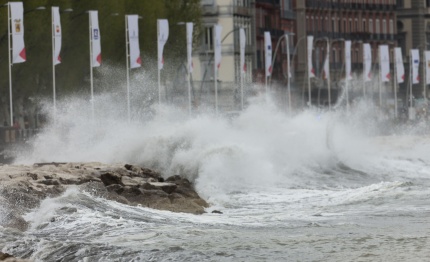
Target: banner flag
point(311, 70)
point(56, 34)
point(268, 52)
point(348, 74)
point(133, 41)
point(17, 26)
point(415, 57)
point(400, 68)
point(189, 27)
point(217, 46)
point(242, 41)
point(95, 39)
point(163, 35)
point(326, 68)
point(427, 55)
point(384, 63)
point(367, 63)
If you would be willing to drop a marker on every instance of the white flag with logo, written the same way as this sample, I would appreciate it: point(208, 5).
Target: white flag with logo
point(95, 39)
point(268, 53)
point(367, 63)
point(56, 34)
point(427, 55)
point(217, 46)
point(189, 27)
point(348, 74)
point(415, 61)
point(326, 68)
point(133, 41)
point(311, 70)
point(163, 35)
point(242, 41)
point(400, 68)
point(384, 63)
point(17, 24)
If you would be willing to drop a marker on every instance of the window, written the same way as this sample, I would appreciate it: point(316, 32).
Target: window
point(371, 26)
point(391, 26)
point(384, 26)
point(364, 29)
point(377, 27)
point(208, 38)
point(350, 25)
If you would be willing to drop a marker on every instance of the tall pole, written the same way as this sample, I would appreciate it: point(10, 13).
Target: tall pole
point(127, 58)
point(395, 85)
point(158, 66)
point(189, 40)
point(53, 64)
point(380, 79)
point(288, 73)
point(10, 64)
point(91, 64)
point(216, 88)
point(328, 74)
point(309, 82)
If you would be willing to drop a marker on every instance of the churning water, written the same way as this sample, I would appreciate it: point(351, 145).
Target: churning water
point(313, 186)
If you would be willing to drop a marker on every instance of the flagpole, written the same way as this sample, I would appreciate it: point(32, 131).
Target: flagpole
point(216, 88)
point(158, 63)
point(53, 64)
point(91, 64)
point(395, 85)
point(410, 85)
point(328, 74)
point(127, 58)
point(288, 72)
point(380, 79)
point(10, 65)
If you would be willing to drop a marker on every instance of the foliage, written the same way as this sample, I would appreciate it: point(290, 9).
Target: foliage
point(34, 77)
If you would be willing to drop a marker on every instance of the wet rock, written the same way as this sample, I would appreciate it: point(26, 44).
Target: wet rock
point(111, 178)
point(23, 188)
point(216, 212)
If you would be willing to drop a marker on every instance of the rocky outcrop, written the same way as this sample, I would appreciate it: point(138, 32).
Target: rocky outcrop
point(24, 187)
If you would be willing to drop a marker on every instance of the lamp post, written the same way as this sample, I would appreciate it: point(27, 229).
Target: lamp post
point(286, 37)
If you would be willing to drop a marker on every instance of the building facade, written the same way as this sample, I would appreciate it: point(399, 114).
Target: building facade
point(414, 33)
point(231, 15)
point(334, 21)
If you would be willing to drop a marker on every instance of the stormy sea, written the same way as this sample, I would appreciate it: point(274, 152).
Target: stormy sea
point(307, 185)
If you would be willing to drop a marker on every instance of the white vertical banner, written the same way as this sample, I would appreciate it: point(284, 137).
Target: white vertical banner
point(415, 61)
point(427, 55)
point(400, 68)
point(367, 63)
point(268, 53)
point(162, 36)
point(56, 34)
point(95, 39)
point(311, 70)
point(17, 24)
point(242, 42)
point(384, 63)
point(133, 40)
point(217, 46)
point(189, 29)
point(348, 74)
point(326, 67)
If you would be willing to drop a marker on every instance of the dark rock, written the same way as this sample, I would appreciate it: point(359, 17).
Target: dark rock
point(110, 178)
point(216, 212)
point(49, 182)
point(3, 256)
point(33, 176)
